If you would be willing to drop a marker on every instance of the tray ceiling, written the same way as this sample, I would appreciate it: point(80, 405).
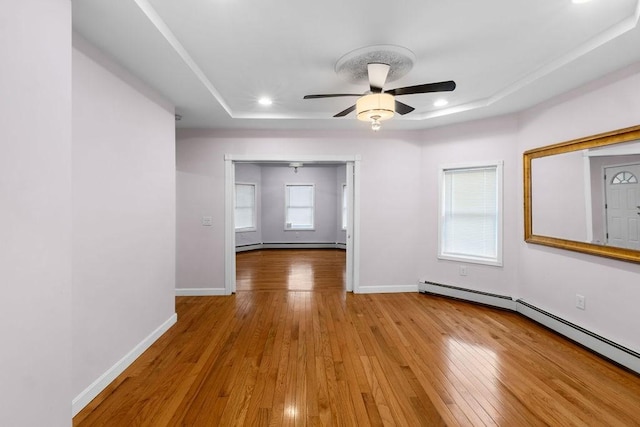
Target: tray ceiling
point(213, 59)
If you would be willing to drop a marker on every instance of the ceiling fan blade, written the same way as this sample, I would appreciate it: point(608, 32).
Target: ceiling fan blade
point(331, 95)
point(425, 88)
point(345, 112)
point(377, 76)
point(403, 109)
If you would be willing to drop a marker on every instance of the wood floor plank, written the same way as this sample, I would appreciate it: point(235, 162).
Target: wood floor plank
point(292, 348)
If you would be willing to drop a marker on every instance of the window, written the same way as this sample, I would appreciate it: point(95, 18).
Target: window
point(470, 227)
point(344, 206)
point(245, 209)
point(624, 178)
point(299, 206)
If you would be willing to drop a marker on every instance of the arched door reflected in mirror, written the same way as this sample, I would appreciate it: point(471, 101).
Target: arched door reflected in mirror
point(622, 205)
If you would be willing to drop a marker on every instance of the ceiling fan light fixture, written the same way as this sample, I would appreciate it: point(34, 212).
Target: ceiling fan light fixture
point(375, 108)
point(295, 166)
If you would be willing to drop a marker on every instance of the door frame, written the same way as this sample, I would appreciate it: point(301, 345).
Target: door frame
point(606, 196)
point(352, 163)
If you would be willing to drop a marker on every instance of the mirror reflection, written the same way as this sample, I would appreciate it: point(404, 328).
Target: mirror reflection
point(584, 195)
point(590, 195)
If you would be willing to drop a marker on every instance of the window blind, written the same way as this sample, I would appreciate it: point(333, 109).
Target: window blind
point(470, 213)
point(245, 209)
point(299, 206)
point(344, 207)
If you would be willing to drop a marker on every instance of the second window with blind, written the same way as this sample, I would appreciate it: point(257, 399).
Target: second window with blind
point(299, 207)
point(470, 213)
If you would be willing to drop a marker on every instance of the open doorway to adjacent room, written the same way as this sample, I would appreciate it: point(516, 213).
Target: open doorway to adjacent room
point(291, 223)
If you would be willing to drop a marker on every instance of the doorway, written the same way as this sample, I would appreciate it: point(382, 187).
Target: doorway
point(352, 163)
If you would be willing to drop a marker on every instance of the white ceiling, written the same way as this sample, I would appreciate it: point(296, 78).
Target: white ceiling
point(214, 58)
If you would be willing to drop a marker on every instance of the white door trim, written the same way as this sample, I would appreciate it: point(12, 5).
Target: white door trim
point(353, 221)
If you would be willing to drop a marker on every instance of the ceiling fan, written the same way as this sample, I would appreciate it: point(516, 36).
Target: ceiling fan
point(378, 104)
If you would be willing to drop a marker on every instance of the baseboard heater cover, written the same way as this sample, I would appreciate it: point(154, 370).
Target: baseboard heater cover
point(603, 346)
point(598, 344)
point(485, 298)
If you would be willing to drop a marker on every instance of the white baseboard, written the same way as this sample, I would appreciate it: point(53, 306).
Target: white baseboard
point(252, 247)
point(88, 394)
point(386, 289)
point(200, 292)
point(300, 245)
point(594, 342)
point(493, 300)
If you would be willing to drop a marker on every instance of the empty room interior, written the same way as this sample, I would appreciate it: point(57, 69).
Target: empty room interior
point(222, 212)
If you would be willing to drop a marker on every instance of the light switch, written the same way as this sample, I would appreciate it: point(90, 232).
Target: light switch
point(207, 221)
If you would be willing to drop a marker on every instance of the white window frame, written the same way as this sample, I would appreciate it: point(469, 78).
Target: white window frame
point(289, 227)
point(345, 204)
point(255, 207)
point(497, 261)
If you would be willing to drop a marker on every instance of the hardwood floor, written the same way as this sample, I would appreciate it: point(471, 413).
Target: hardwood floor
point(291, 269)
point(325, 357)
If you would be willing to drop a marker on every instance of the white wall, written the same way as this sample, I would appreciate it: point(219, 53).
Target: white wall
point(123, 214)
point(274, 178)
point(35, 213)
point(390, 177)
point(549, 278)
point(482, 141)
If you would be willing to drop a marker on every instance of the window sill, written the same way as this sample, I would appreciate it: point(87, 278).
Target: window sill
point(471, 260)
point(245, 230)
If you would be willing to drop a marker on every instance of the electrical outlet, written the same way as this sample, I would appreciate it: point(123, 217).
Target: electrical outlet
point(580, 301)
point(462, 270)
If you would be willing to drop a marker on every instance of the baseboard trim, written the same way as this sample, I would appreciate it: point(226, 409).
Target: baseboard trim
point(484, 298)
point(594, 342)
point(252, 247)
point(88, 394)
point(301, 245)
point(386, 289)
point(598, 344)
point(200, 292)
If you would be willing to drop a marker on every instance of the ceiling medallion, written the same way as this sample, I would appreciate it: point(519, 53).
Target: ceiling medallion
point(352, 67)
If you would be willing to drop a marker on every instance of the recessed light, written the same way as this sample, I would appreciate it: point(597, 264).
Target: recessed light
point(440, 102)
point(265, 101)
point(580, 1)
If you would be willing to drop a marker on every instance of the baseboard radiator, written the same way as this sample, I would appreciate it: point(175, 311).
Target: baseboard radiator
point(598, 344)
point(300, 245)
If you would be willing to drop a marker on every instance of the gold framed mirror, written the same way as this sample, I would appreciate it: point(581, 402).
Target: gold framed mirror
point(583, 195)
